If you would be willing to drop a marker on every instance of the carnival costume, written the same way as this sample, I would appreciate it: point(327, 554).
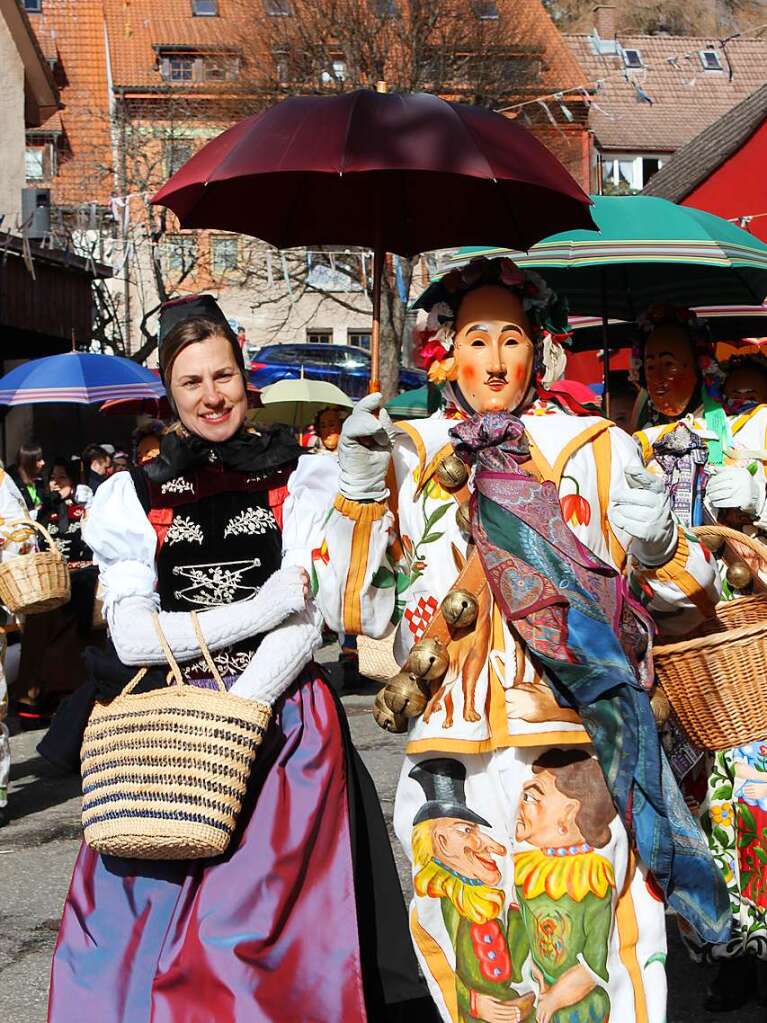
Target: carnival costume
point(302, 918)
point(729, 786)
point(546, 677)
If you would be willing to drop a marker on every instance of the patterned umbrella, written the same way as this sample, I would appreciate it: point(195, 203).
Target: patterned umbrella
point(78, 378)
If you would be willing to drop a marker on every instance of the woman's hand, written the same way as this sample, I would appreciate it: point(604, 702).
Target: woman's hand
point(307, 586)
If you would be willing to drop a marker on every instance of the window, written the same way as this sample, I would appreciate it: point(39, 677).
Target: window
point(335, 74)
point(176, 153)
point(359, 338)
point(385, 8)
point(316, 336)
point(223, 253)
point(225, 68)
point(33, 6)
point(181, 69)
point(40, 162)
point(485, 10)
point(205, 8)
point(632, 58)
point(278, 8)
point(282, 66)
point(710, 60)
point(180, 253)
point(625, 174)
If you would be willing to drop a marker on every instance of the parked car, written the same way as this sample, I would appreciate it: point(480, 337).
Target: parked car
point(343, 365)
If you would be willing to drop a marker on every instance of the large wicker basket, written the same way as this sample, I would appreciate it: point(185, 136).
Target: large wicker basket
point(715, 680)
point(35, 582)
point(165, 772)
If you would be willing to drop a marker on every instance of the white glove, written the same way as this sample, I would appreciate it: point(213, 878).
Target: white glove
point(83, 495)
point(733, 486)
point(642, 509)
point(365, 450)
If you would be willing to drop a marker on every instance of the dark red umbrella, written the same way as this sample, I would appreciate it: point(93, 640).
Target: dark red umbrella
point(395, 173)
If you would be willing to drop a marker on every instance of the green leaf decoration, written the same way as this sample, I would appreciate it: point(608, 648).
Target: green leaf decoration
point(383, 578)
point(403, 581)
point(315, 581)
point(746, 839)
point(761, 854)
point(658, 957)
point(744, 812)
point(436, 515)
point(432, 537)
point(721, 837)
point(723, 792)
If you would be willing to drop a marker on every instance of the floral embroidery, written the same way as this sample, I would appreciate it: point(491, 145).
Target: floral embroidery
point(183, 528)
point(63, 547)
point(251, 522)
point(177, 486)
point(576, 510)
point(228, 663)
point(216, 584)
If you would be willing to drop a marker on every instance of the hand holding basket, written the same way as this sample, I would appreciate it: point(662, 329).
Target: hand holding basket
point(35, 582)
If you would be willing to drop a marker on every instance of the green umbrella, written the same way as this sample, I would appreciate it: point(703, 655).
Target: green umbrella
point(416, 404)
point(648, 250)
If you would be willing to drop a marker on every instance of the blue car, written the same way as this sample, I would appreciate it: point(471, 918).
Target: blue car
point(342, 365)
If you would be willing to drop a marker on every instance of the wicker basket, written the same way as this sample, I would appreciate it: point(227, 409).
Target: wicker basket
point(36, 582)
point(376, 657)
point(715, 680)
point(165, 772)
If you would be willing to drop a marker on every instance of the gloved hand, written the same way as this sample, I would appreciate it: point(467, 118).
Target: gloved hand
point(83, 495)
point(733, 486)
point(643, 510)
point(364, 451)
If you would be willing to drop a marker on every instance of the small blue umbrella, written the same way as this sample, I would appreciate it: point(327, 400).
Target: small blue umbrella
point(78, 378)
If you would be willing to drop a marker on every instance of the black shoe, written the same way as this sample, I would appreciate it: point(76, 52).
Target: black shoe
point(4, 818)
point(733, 986)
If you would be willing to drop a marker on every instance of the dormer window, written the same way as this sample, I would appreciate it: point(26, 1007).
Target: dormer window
point(205, 8)
point(278, 8)
point(485, 10)
point(180, 64)
point(33, 6)
point(632, 59)
point(710, 60)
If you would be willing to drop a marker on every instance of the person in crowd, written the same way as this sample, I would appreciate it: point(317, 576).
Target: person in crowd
point(52, 642)
point(146, 441)
point(120, 461)
point(623, 395)
point(96, 466)
point(303, 916)
point(707, 445)
point(27, 474)
point(502, 586)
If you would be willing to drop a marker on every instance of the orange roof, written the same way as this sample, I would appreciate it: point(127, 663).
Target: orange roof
point(72, 31)
point(685, 97)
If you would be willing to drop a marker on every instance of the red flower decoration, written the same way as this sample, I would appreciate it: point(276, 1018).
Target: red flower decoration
point(576, 510)
point(429, 352)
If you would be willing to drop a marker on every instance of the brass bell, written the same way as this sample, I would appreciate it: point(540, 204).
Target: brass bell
point(451, 473)
point(404, 694)
point(714, 543)
point(460, 608)
point(463, 518)
point(739, 575)
point(385, 717)
point(660, 706)
point(428, 660)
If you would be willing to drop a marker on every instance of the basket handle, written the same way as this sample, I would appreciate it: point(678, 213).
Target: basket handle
point(206, 653)
point(756, 546)
point(31, 525)
point(175, 670)
point(134, 682)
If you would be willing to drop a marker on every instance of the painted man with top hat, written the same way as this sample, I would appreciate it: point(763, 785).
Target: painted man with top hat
point(521, 552)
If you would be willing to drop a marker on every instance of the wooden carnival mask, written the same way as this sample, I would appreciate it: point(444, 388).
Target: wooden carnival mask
point(670, 369)
point(493, 350)
point(746, 384)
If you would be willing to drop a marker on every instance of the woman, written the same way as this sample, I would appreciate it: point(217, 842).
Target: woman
point(270, 931)
point(27, 475)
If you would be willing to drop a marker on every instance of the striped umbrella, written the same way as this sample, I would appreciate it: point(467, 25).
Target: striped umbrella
point(648, 250)
point(78, 378)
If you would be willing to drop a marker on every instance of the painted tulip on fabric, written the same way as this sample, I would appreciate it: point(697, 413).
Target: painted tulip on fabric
point(576, 510)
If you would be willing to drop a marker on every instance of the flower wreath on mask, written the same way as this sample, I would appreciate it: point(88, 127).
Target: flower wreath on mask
point(709, 371)
point(546, 313)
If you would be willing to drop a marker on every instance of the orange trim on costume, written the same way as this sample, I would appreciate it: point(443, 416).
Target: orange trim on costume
point(574, 737)
point(438, 965)
point(358, 563)
point(603, 454)
point(741, 421)
point(576, 444)
point(628, 936)
point(675, 572)
point(420, 448)
point(360, 511)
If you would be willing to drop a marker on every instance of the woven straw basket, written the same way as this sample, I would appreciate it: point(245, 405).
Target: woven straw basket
point(165, 772)
point(376, 657)
point(715, 680)
point(36, 582)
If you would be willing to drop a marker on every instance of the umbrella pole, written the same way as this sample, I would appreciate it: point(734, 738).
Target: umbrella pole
point(375, 337)
point(605, 348)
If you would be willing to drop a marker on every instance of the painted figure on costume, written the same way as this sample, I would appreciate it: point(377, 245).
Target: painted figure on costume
point(708, 443)
point(454, 861)
point(494, 538)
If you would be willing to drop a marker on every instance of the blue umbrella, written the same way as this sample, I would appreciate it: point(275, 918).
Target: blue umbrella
point(78, 378)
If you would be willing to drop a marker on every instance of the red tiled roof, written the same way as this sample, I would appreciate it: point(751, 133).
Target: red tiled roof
point(686, 98)
point(73, 32)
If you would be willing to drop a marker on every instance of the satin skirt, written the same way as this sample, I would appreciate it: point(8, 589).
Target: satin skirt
point(268, 933)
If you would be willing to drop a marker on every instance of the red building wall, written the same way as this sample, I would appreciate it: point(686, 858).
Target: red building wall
point(738, 187)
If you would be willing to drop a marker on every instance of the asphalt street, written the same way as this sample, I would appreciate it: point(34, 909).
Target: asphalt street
point(38, 848)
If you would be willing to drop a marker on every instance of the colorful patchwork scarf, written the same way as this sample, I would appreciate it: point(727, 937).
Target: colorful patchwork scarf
point(576, 617)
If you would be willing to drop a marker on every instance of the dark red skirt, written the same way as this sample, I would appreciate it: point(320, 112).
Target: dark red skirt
point(288, 927)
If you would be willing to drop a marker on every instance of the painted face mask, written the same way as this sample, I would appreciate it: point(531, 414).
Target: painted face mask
point(670, 369)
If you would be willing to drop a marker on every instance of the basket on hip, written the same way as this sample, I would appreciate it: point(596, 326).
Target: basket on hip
point(34, 582)
point(165, 772)
point(715, 679)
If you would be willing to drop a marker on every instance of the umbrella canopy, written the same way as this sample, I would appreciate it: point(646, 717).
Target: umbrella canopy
point(648, 250)
point(737, 324)
point(395, 173)
point(297, 402)
point(78, 378)
point(415, 404)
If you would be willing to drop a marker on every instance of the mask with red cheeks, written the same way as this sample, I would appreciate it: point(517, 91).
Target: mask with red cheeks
point(493, 349)
point(670, 369)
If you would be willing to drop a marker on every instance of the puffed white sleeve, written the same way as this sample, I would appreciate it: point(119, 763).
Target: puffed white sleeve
point(123, 542)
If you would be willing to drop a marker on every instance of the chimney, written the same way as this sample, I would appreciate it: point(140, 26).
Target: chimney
point(604, 21)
